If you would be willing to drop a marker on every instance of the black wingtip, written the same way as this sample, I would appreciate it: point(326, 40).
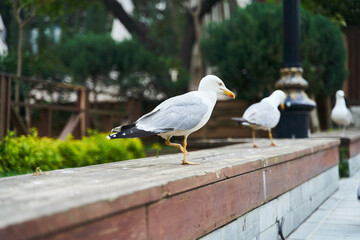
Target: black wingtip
point(131, 133)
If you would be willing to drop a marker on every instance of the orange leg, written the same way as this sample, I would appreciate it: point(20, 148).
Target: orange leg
point(185, 144)
point(253, 137)
point(271, 139)
point(181, 148)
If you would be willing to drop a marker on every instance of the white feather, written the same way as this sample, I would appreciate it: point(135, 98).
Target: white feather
point(340, 114)
point(264, 115)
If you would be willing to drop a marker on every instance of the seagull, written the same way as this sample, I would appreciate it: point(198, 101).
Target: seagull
point(177, 116)
point(340, 114)
point(263, 115)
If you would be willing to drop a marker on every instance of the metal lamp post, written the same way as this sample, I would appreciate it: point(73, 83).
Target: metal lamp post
point(295, 119)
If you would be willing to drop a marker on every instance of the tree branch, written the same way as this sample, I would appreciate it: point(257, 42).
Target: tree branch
point(130, 24)
point(29, 18)
point(189, 36)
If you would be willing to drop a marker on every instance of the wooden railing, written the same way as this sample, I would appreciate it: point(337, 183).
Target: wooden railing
point(12, 112)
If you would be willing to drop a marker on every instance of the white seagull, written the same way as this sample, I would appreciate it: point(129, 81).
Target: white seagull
point(340, 114)
point(177, 116)
point(263, 115)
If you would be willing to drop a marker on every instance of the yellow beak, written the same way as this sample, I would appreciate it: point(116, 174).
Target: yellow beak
point(229, 93)
point(282, 106)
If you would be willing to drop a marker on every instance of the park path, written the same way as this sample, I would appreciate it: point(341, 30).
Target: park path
point(338, 218)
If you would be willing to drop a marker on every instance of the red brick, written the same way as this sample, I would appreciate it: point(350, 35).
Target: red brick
point(75, 216)
point(283, 177)
point(130, 225)
point(192, 214)
point(192, 182)
point(324, 160)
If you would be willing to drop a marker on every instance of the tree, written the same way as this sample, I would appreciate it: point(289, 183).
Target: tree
point(89, 57)
point(24, 12)
point(140, 25)
point(345, 13)
point(143, 74)
point(247, 51)
point(166, 28)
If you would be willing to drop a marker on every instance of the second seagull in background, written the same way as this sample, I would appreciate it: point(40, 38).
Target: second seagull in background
point(263, 115)
point(340, 114)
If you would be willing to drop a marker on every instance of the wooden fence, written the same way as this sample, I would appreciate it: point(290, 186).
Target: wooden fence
point(80, 112)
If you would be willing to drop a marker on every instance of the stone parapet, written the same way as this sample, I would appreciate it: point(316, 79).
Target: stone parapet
point(349, 144)
point(157, 198)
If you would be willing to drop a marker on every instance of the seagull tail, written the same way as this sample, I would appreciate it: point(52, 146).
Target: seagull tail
point(129, 131)
point(239, 120)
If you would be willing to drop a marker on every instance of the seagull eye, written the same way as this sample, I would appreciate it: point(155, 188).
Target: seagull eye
point(220, 84)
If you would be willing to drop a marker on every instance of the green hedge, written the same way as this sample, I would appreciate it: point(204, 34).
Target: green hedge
point(19, 155)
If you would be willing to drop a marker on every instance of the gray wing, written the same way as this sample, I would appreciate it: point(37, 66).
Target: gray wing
point(183, 112)
point(263, 114)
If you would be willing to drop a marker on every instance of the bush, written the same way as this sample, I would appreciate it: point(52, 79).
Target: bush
point(247, 51)
point(19, 155)
point(143, 73)
point(88, 56)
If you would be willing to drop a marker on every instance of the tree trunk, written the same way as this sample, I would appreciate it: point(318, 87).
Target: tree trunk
point(189, 35)
point(187, 42)
point(19, 65)
point(19, 50)
point(197, 65)
point(190, 54)
point(134, 27)
point(141, 30)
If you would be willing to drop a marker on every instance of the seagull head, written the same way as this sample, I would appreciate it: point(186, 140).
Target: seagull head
point(340, 94)
point(278, 98)
point(214, 84)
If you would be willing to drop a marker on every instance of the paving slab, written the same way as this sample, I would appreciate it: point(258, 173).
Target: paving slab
point(338, 218)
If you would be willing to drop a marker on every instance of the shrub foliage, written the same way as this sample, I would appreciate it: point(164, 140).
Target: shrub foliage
point(19, 155)
point(247, 51)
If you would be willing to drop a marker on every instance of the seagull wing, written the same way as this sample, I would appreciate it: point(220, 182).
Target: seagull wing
point(349, 116)
point(262, 114)
point(179, 113)
point(183, 112)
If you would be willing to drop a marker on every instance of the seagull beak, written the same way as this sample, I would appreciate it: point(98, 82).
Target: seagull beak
point(228, 92)
point(282, 106)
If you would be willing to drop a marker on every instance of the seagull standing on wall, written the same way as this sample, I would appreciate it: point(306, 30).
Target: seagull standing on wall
point(263, 115)
point(341, 115)
point(177, 116)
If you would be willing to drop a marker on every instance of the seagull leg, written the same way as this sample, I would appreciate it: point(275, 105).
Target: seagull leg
point(185, 144)
point(167, 142)
point(185, 162)
point(181, 148)
point(253, 137)
point(271, 139)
